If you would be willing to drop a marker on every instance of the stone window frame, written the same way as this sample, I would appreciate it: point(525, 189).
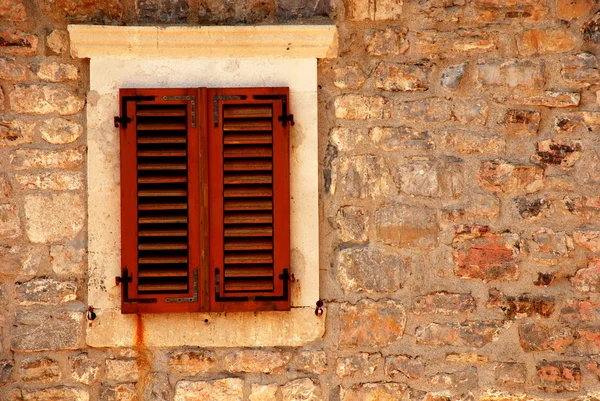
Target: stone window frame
point(129, 56)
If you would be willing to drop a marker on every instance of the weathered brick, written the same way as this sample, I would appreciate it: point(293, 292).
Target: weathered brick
point(470, 141)
point(47, 330)
point(57, 41)
point(512, 74)
point(289, 9)
point(444, 303)
point(12, 70)
point(584, 120)
point(13, 10)
point(501, 176)
point(473, 334)
point(257, 361)
point(466, 378)
point(373, 391)
point(502, 10)
point(360, 107)
point(591, 28)
point(104, 11)
point(426, 110)
point(191, 363)
point(401, 138)
point(156, 387)
point(523, 305)
point(581, 69)
point(16, 132)
point(362, 176)
point(578, 311)
point(548, 247)
point(545, 41)
point(45, 291)
point(510, 373)
point(36, 158)
point(587, 279)
point(54, 181)
point(389, 41)
point(66, 260)
point(350, 76)
point(352, 223)
point(540, 336)
point(261, 392)
point(547, 99)
point(436, 44)
point(54, 72)
point(54, 217)
point(166, 11)
point(10, 223)
point(402, 77)
point(521, 122)
point(84, 369)
point(562, 153)
point(380, 10)
point(363, 364)
point(467, 357)
point(61, 393)
point(310, 362)
point(7, 366)
point(407, 366)
point(589, 239)
point(302, 389)
point(403, 225)
point(371, 323)
point(441, 177)
point(44, 99)
point(481, 254)
point(18, 43)
point(452, 75)
point(39, 369)
point(370, 269)
point(242, 11)
point(345, 139)
point(558, 376)
point(119, 392)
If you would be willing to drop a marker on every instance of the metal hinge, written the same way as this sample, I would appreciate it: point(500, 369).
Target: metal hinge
point(285, 117)
point(216, 104)
point(192, 99)
point(123, 119)
point(192, 299)
point(125, 279)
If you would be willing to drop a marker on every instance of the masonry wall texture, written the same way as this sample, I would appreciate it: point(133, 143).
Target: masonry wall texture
point(460, 207)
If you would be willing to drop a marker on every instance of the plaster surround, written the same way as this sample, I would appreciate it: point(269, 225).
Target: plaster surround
point(189, 57)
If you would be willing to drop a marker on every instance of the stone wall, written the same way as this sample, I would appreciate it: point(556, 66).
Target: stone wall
point(460, 248)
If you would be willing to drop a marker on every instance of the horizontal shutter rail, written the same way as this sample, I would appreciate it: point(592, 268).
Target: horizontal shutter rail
point(162, 166)
point(161, 126)
point(250, 204)
point(248, 231)
point(248, 244)
point(162, 286)
point(244, 191)
point(248, 151)
point(248, 111)
point(163, 206)
point(169, 272)
point(162, 179)
point(159, 260)
point(247, 125)
point(163, 233)
point(160, 219)
point(163, 246)
point(248, 164)
point(248, 178)
point(249, 271)
point(162, 153)
point(160, 112)
point(162, 192)
point(248, 218)
point(248, 258)
point(248, 138)
point(249, 285)
point(161, 139)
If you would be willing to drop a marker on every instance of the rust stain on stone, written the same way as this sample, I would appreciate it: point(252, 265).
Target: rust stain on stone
point(139, 331)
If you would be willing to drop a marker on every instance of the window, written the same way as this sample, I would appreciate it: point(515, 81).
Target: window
point(205, 213)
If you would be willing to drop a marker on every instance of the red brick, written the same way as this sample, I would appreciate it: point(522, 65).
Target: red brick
point(444, 303)
point(558, 376)
point(545, 337)
point(524, 305)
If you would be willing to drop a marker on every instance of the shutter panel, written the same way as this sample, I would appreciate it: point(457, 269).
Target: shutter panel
point(161, 202)
point(249, 199)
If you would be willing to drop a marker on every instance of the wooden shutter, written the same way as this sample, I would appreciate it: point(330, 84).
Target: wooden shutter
point(248, 139)
point(162, 208)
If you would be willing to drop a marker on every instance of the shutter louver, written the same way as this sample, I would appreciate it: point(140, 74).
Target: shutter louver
point(243, 206)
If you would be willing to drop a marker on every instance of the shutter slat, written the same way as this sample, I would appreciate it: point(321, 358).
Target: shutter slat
point(166, 126)
point(247, 178)
point(248, 218)
point(162, 287)
point(163, 233)
point(160, 112)
point(162, 153)
point(161, 219)
point(248, 164)
point(160, 140)
point(247, 125)
point(162, 192)
point(246, 111)
point(247, 151)
point(159, 260)
point(157, 272)
point(250, 138)
point(248, 231)
point(249, 285)
point(163, 246)
point(161, 166)
point(248, 244)
point(248, 258)
point(162, 179)
point(242, 191)
point(249, 271)
point(163, 206)
point(249, 204)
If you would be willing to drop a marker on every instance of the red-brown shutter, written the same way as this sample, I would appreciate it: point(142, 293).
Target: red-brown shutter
point(248, 140)
point(161, 202)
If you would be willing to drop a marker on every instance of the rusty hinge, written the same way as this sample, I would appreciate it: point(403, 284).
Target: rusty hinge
point(123, 119)
point(216, 104)
point(191, 299)
point(285, 117)
point(192, 99)
point(125, 279)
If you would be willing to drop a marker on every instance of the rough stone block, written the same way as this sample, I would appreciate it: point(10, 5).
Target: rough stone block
point(84, 369)
point(389, 41)
point(54, 72)
point(545, 41)
point(13, 10)
point(257, 361)
point(397, 77)
point(453, 380)
point(371, 323)
point(548, 247)
point(370, 269)
point(45, 291)
point(521, 122)
point(362, 176)
point(502, 10)
point(345, 139)
point(288, 9)
point(531, 208)
point(374, 10)
point(562, 153)
point(547, 99)
point(44, 99)
point(512, 74)
point(404, 366)
point(501, 176)
point(119, 392)
point(591, 28)
point(236, 11)
point(54, 217)
point(572, 9)
point(61, 393)
point(452, 75)
point(363, 364)
point(224, 389)
point(310, 362)
point(191, 363)
point(78, 11)
point(524, 305)
point(352, 223)
point(441, 177)
point(481, 254)
point(266, 392)
point(430, 110)
point(578, 311)
point(581, 69)
point(467, 357)
point(510, 373)
point(166, 11)
point(374, 391)
point(469, 111)
point(12, 70)
point(444, 303)
point(449, 44)
point(39, 369)
point(6, 370)
point(540, 336)
point(558, 376)
point(36, 158)
point(359, 107)
point(302, 389)
point(401, 138)
point(60, 131)
point(18, 43)
point(469, 142)
point(10, 223)
point(402, 225)
point(587, 279)
point(63, 181)
point(16, 132)
point(122, 370)
point(589, 239)
point(351, 76)
point(47, 330)
point(156, 387)
point(58, 41)
point(473, 334)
